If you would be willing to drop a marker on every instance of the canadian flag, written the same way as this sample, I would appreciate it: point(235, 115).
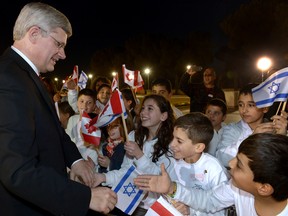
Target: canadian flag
point(91, 134)
point(75, 74)
point(162, 207)
point(132, 78)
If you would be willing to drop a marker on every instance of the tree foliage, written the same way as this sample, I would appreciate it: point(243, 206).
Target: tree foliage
point(258, 28)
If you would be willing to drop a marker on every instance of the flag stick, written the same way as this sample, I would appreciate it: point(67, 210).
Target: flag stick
point(134, 95)
point(279, 107)
point(284, 105)
point(77, 79)
point(124, 126)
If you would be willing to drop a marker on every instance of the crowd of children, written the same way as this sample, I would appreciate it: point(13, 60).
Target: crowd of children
point(226, 165)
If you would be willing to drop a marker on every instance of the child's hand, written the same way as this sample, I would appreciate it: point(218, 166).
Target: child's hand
point(71, 85)
point(155, 183)
point(182, 208)
point(280, 123)
point(103, 161)
point(133, 149)
point(267, 127)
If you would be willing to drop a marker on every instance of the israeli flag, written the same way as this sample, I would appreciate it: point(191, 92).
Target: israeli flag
point(129, 196)
point(274, 88)
point(83, 79)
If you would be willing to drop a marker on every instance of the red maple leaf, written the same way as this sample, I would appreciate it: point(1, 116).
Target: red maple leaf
point(90, 128)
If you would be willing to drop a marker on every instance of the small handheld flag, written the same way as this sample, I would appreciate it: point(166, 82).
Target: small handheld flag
point(129, 196)
point(274, 88)
point(132, 78)
point(82, 80)
point(112, 110)
point(91, 134)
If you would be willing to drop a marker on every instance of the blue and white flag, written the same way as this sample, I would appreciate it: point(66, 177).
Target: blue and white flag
point(112, 110)
point(274, 88)
point(83, 79)
point(129, 196)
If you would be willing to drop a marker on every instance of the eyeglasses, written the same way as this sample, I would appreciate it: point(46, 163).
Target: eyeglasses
point(57, 43)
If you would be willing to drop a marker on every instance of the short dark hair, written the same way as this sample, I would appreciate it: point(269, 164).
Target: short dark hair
point(219, 103)
point(104, 85)
point(268, 160)
point(247, 89)
point(198, 127)
point(163, 82)
point(88, 92)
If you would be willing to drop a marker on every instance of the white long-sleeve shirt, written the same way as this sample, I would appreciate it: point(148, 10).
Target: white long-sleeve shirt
point(222, 196)
point(204, 174)
point(233, 135)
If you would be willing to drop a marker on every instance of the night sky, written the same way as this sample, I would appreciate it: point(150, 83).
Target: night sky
point(102, 24)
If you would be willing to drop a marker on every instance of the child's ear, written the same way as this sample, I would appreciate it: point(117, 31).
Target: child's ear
point(264, 189)
point(164, 116)
point(200, 147)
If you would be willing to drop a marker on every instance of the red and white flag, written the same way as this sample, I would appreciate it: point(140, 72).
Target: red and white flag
point(132, 78)
point(115, 84)
point(162, 207)
point(112, 110)
point(75, 74)
point(91, 134)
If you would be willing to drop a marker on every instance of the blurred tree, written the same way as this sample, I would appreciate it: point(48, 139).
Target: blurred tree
point(257, 28)
point(165, 56)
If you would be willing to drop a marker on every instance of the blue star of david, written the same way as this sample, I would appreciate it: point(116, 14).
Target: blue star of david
point(274, 87)
point(129, 189)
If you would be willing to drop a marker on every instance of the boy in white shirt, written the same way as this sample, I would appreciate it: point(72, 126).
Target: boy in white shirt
point(252, 122)
point(216, 110)
point(86, 102)
point(194, 168)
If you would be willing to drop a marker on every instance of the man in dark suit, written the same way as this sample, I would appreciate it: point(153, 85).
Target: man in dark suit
point(35, 151)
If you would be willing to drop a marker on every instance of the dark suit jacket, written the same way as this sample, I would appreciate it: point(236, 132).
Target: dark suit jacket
point(34, 148)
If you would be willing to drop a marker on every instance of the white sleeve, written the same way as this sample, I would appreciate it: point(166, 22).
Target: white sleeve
point(72, 99)
point(218, 198)
point(227, 147)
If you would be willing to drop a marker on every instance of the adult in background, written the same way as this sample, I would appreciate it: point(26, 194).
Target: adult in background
point(200, 93)
point(35, 151)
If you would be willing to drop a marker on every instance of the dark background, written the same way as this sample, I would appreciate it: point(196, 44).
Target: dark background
point(225, 34)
